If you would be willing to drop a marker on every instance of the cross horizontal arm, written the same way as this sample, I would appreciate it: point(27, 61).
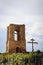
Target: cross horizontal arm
point(33, 42)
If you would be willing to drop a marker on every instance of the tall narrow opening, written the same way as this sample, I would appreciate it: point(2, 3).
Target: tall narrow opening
point(15, 35)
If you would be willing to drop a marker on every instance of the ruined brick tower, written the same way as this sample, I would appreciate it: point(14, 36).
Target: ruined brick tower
point(16, 42)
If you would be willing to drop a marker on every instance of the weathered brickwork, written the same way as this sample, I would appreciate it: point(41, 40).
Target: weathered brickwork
point(19, 45)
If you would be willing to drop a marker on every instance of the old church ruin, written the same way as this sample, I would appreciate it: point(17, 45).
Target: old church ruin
point(16, 42)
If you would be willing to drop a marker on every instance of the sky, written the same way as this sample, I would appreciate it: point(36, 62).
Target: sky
point(28, 12)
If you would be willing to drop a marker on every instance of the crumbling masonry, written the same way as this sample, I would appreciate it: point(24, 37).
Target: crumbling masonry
point(16, 42)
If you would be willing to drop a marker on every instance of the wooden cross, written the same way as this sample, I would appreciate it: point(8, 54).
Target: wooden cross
point(32, 41)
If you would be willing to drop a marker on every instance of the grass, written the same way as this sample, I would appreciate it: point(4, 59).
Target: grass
point(19, 57)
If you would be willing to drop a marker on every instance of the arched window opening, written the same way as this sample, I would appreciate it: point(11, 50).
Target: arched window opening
point(15, 35)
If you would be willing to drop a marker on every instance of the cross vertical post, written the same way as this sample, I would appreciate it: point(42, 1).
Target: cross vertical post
point(32, 41)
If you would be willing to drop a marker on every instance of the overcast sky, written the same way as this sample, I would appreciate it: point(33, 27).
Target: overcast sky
point(28, 12)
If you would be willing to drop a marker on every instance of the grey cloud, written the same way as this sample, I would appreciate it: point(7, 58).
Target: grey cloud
point(26, 6)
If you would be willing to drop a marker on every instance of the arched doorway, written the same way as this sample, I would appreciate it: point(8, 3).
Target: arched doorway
point(17, 49)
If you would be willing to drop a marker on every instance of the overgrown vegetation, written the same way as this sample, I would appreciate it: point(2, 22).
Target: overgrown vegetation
point(19, 58)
